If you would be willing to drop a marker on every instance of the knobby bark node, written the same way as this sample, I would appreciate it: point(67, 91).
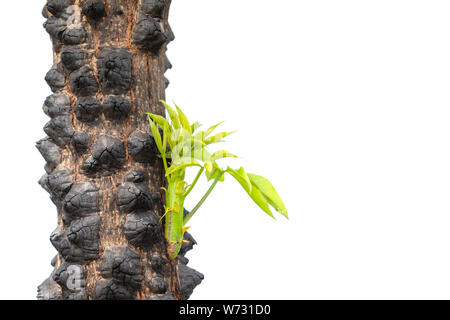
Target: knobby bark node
point(102, 170)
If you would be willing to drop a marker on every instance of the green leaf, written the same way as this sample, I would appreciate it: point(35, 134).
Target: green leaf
point(190, 148)
point(195, 126)
point(160, 121)
point(203, 135)
point(200, 135)
point(214, 172)
point(178, 148)
point(209, 167)
point(202, 155)
point(178, 135)
point(241, 176)
point(184, 120)
point(165, 134)
point(170, 138)
point(259, 199)
point(182, 163)
point(212, 128)
point(172, 114)
point(156, 136)
point(254, 193)
point(184, 160)
point(269, 192)
point(170, 141)
point(217, 138)
point(222, 154)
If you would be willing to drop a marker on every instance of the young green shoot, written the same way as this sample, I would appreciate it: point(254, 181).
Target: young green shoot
point(183, 145)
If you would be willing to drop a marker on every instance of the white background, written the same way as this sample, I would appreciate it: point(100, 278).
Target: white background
point(343, 105)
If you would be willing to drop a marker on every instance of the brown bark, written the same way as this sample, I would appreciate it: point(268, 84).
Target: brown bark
point(102, 170)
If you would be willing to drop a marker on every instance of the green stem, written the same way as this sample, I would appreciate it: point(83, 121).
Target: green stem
point(202, 200)
point(194, 182)
point(165, 162)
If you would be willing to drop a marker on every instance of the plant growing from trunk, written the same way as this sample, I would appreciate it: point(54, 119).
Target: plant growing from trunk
point(102, 169)
point(184, 146)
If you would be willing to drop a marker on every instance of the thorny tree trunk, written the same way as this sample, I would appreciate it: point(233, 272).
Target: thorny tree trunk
point(102, 171)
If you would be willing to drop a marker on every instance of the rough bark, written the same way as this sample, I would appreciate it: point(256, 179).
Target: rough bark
point(102, 172)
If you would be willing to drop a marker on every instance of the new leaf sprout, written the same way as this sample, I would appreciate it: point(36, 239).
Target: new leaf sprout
point(183, 145)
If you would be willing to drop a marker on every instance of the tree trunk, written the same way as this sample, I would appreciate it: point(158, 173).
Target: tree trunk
point(103, 173)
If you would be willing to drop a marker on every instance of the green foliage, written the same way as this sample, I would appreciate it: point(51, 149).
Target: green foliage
point(182, 146)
